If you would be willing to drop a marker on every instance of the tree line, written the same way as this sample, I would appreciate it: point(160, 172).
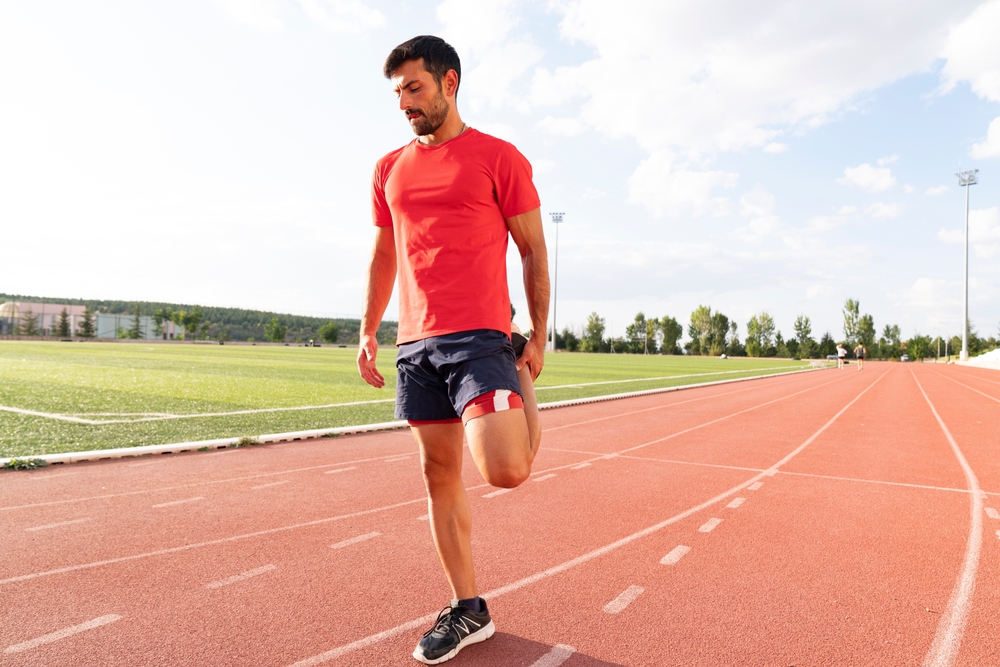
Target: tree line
point(712, 333)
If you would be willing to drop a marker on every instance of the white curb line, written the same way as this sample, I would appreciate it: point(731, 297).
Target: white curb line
point(223, 443)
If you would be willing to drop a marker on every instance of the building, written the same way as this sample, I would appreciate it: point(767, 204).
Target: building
point(47, 315)
point(118, 326)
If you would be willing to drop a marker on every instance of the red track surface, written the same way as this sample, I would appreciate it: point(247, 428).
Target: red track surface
point(862, 545)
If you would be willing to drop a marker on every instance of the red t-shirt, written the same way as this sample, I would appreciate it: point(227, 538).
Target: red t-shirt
point(448, 205)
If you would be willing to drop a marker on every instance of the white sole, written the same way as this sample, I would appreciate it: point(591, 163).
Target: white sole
point(479, 636)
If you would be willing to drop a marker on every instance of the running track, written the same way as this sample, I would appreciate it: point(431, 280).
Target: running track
point(816, 519)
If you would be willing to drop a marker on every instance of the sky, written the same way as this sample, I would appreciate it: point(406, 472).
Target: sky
point(749, 156)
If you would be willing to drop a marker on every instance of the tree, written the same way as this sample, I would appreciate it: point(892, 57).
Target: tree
point(719, 334)
point(567, 340)
point(161, 315)
point(851, 319)
point(760, 334)
point(918, 347)
point(275, 331)
point(670, 333)
point(190, 321)
point(29, 324)
point(135, 331)
point(87, 328)
point(328, 332)
point(803, 330)
point(700, 330)
point(593, 336)
point(63, 330)
point(827, 346)
point(638, 334)
point(733, 347)
point(866, 331)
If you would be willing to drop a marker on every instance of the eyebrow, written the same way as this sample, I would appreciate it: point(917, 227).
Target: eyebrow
point(407, 84)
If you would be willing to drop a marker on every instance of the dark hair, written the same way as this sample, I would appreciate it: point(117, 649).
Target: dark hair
point(438, 55)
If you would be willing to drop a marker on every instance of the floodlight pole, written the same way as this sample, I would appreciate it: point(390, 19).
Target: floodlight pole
point(966, 179)
point(556, 219)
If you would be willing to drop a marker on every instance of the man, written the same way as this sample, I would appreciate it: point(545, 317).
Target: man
point(859, 352)
point(443, 206)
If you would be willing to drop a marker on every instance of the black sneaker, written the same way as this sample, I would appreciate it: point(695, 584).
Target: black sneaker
point(455, 628)
point(518, 341)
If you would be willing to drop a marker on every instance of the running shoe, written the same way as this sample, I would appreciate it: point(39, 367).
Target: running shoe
point(518, 341)
point(455, 628)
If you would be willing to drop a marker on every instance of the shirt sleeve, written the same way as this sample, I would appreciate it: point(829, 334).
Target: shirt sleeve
point(515, 191)
point(381, 215)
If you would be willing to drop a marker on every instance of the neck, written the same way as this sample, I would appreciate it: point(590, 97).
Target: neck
point(450, 128)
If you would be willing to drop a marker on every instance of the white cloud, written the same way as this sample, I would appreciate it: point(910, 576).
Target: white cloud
point(543, 166)
point(984, 233)
point(990, 147)
point(908, 189)
point(593, 193)
point(972, 55)
point(349, 16)
point(261, 14)
point(757, 202)
point(500, 130)
point(826, 223)
point(887, 160)
point(884, 210)
point(670, 192)
point(565, 127)
point(775, 147)
point(689, 85)
point(937, 190)
point(847, 210)
point(868, 178)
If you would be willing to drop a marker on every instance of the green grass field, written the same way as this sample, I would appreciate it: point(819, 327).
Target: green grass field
point(146, 394)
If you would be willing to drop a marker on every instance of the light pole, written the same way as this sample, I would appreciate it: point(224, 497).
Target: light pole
point(556, 219)
point(966, 179)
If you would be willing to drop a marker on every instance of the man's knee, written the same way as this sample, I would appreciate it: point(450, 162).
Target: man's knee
point(508, 474)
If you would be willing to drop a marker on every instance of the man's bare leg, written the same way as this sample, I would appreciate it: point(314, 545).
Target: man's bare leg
point(448, 504)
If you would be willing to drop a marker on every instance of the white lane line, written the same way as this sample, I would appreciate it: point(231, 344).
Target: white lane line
point(240, 577)
point(736, 503)
point(675, 555)
point(172, 503)
point(371, 640)
point(57, 525)
point(772, 472)
point(998, 534)
point(58, 474)
point(425, 517)
point(354, 540)
point(709, 525)
point(398, 458)
point(544, 477)
point(334, 472)
point(270, 484)
point(498, 492)
point(755, 486)
point(559, 654)
point(585, 464)
point(627, 597)
point(948, 638)
point(992, 513)
point(62, 634)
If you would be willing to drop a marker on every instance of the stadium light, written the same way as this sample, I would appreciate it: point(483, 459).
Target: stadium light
point(556, 219)
point(966, 179)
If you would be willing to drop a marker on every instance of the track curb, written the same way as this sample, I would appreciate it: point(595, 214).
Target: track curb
point(224, 443)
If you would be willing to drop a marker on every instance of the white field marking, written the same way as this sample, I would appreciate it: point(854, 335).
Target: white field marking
point(755, 486)
point(879, 481)
point(58, 474)
point(652, 459)
point(579, 560)
point(992, 398)
point(736, 503)
point(98, 422)
point(172, 503)
point(657, 379)
point(354, 540)
point(626, 598)
point(498, 492)
point(544, 477)
point(675, 555)
point(398, 458)
point(57, 525)
point(209, 543)
point(425, 517)
point(240, 577)
point(992, 513)
point(270, 484)
point(559, 654)
point(585, 464)
point(709, 525)
point(62, 634)
point(772, 472)
point(948, 638)
point(334, 472)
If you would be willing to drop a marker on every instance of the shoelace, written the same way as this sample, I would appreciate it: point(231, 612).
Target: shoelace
point(445, 621)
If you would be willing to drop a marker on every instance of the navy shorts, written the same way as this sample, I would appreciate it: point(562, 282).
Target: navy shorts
point(438, 376)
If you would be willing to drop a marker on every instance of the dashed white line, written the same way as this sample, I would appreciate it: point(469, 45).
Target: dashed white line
point(755, 486)
point(627, 597)
point(57, 525)
point(62, 634)
point(498, 492)
point(180, 502)
point(334, 472)
point(992, 513)
point(675, 555)
point(240, 577)
point(544, 477)
point(736, 503)
point(398, 458)
point(425, 517)
point(582, 465)
point(559, 654)
point(709, 525)
point(270, 484)
point(354, 540)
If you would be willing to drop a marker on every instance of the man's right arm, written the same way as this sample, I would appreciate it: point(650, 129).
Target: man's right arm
point(378, 291)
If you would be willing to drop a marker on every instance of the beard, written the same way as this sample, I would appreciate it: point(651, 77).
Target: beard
point(431, 118)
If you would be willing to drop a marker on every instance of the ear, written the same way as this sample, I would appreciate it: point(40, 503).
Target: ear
point(449, 82)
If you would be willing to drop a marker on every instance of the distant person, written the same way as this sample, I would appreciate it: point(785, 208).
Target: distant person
point(443, 206)
point(841, 355)
point(859, 352)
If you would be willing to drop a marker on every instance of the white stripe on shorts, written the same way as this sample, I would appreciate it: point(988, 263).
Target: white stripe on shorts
point(501, 400)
